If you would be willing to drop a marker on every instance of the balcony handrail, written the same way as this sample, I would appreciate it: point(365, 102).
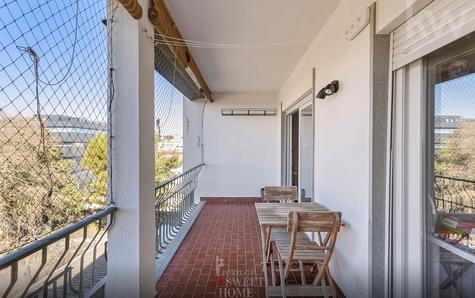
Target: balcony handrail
point(37, 245)
point(174, 204)
point(168, 181)
point(46, 271)
point(454, 195)
point(175, 192)
point(454, 179)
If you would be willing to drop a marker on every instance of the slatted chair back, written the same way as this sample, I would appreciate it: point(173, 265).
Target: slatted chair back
point(319, 222)
point(280, 194)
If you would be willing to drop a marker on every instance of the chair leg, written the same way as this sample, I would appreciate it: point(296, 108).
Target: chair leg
point(272, 266)
point(281, 274)
point(330, 280)
point(324, 287)
point(314, 266)
point(302, 272)
point(269, 243)
point(322, 282)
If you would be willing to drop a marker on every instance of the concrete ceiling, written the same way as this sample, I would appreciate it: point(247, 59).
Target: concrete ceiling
point(249, 45)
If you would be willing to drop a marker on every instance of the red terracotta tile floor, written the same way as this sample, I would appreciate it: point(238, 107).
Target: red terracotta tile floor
point(219, 257)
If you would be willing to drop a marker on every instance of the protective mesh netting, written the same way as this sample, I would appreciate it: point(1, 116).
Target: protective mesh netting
point(53, 115)
point(168, 115)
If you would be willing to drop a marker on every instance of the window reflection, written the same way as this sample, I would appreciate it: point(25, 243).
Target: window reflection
point(451, 246)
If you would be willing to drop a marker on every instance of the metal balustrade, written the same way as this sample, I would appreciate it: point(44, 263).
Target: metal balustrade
point(69, 262)
point(174, 203)
point(454, 195)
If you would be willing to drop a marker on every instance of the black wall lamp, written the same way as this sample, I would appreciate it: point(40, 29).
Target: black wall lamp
point(330, 89)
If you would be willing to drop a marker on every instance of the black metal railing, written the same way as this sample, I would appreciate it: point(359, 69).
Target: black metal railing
point(174, 203)
point(454, 195)
point(69, 262)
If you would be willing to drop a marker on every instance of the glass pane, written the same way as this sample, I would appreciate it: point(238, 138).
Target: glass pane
point(306, 153)
point(451, 245)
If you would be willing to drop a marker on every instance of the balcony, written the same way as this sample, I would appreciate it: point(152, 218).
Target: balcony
point(136, 136)
point(222, 247)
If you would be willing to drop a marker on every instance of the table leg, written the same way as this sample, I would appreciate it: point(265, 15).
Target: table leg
point(264, 257)
point(454, 275)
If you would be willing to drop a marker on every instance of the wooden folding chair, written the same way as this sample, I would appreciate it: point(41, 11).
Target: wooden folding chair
point(278, 194)
point(294, 246)
point(281, 194)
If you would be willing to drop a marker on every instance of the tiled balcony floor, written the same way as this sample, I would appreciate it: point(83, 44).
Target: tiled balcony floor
point(220, 255)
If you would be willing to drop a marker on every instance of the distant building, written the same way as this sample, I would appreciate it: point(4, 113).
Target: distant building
point(444, 125)
point(73, 134)
point(171, 144)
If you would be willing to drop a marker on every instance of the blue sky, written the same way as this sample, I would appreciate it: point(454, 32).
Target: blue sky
point(49, 26)
point(456, 97)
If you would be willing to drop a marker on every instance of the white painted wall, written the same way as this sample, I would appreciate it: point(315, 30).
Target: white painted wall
point(192, 132)
point(342, 145)
point(241, 153)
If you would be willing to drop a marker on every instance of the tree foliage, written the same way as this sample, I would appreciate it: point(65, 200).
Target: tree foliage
point(95, 160)
point(165, 163)
point(36, 189)
point(457, 158)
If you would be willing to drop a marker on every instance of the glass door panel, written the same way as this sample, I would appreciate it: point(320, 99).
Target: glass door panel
point(451, 187)
point(306, 153)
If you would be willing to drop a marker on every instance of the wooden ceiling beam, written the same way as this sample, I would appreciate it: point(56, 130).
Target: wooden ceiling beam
point(133, 7)
point(161, 18)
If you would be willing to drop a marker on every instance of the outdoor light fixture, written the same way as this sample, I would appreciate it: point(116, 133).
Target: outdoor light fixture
point(330, 89)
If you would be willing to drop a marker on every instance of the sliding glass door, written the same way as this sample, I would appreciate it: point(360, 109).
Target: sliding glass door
point(451, 166)
point(299, 149)
point(432, 182)
point(306, 153)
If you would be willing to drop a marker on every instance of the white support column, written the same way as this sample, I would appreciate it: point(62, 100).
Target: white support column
point(131, 247)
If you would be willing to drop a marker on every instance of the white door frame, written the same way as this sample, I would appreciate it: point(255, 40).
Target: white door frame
point(288, 148)
point(304, 101)
point(406, 196)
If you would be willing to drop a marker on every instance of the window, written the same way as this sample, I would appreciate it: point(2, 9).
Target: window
point(432, 183)
point(299, 147)
point(450, 203)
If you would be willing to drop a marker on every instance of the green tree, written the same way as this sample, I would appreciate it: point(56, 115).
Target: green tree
point(165, 163)
point(95, 160)
point(457, 158)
